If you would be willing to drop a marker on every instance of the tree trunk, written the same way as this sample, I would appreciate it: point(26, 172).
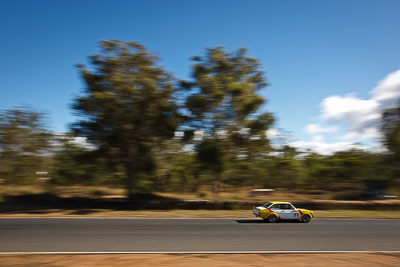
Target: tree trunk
point(216, 186)
point(131, 169)
point(131, 175)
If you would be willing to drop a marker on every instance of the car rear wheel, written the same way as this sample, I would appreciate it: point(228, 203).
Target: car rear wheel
point(306, 218)
point(272, 219)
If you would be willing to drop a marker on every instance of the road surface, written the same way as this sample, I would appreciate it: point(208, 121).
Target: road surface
point(195, 235)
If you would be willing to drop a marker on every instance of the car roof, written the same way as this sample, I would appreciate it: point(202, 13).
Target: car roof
point(280, 202)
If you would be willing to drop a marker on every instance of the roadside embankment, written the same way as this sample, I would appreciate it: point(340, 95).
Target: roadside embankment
point(199, 260)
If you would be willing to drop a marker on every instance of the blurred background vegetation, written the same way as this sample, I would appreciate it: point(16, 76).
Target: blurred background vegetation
point(142, 130)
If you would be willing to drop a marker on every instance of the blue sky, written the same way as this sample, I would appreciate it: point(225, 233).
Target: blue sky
point(311, 51)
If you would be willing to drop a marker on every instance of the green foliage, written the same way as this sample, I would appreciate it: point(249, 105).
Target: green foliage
point(128, 106)
point(351, 195)
point(76, 164)
point(24, 144)
point(184, 175)
point(287, 171)
point(210, 154)
point(223, 96)
point(391, 130)
point(344, 169)
point(223, 103)
point(317, 172)
point(131, 107)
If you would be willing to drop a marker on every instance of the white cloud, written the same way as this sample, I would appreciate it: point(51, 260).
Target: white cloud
point(198, 135)
point(317, 129)
point(273, 133)
point(179, 134)
point(255, 137)
point(387, 92)
point(223, 134)
point(323, 148)
point(318, 138)
point(244, 131)
point(82, 142)
point(368, 133)
point(356, 118)
point(351, 108)
point(361, 117)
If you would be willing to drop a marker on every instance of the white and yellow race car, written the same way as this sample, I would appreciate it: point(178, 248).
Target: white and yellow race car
point(276, 210)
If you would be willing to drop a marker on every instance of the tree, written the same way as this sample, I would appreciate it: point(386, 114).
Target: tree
point(318, 173)
point(75, 163)
point(25, 143)
point(184, 172)
point(224, 105)
point(286, 169)
point(128, 106)
point(391, 130)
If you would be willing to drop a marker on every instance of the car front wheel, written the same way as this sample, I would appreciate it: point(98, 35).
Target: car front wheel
point(306, 218)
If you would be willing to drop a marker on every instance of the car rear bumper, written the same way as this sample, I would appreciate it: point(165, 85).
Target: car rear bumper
point(256, 212)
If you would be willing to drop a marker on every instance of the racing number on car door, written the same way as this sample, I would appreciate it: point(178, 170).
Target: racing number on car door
point(289, 212)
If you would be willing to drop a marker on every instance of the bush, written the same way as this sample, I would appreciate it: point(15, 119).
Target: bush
point(309, 192)
point(96, 192)
point(351, 195)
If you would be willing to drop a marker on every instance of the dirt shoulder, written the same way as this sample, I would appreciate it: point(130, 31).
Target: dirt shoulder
point(197, 260)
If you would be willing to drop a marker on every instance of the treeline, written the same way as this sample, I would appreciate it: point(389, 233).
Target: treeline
point(143, 129)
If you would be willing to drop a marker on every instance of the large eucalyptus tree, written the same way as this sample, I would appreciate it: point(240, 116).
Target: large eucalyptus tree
point(127, 106)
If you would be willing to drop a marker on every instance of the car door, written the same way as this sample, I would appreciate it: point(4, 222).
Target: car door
point(277, 209)
point(285, 212)
point(289, 212)
point(295, 213)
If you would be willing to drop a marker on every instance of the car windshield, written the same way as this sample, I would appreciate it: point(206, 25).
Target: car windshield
point(266, 205)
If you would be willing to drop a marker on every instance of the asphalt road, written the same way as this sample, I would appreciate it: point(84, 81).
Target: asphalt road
point(168, 235)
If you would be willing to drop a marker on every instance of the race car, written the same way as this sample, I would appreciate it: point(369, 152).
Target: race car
point(276, 210)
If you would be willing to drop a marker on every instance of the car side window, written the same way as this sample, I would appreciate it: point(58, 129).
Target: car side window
point(286, 207)
point(275, 207)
